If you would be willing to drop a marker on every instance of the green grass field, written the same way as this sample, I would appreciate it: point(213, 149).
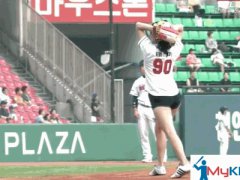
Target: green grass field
point(39, 171)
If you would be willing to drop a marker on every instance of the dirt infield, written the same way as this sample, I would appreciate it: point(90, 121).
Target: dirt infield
point(136, 175)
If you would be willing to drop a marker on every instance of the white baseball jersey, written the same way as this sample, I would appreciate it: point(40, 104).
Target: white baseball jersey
point(138, 89)
point(221, 128)
point(159, 68)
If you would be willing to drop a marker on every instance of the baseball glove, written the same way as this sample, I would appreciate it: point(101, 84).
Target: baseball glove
point(163, 31)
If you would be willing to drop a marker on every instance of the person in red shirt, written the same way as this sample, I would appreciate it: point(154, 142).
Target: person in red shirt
point(192, 61)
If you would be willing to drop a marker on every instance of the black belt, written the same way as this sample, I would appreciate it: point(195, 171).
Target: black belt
point(145, 106)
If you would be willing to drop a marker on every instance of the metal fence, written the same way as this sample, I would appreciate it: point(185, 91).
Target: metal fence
point(65, 59)
point(119, 96)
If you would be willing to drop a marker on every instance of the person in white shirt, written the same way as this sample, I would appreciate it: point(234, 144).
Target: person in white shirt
point(223, 131)
point(210, 42)
point(236, 48)
point(144, 114)
point(218, 58)
point(159, 56)
point(40, 117)
point(238, 44)
point(11, 106)
point(4, 96)
point(224, 8)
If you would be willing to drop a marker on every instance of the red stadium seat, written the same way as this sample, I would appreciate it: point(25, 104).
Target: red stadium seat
point(2, 78)
point(5, 70)
point(3, 84)
point(10, 85)
point(35, 109)
point(64, 121)
point(11, 93)
point(2, 62)
point(18, 84)
point(27, 109)
point(11, 80)
point(3, 121)
point(38, 101)
point(32, 116)
point(15, 77)
point(26, 120)
point(24, 83)
point(8, 78)
point(20, 109)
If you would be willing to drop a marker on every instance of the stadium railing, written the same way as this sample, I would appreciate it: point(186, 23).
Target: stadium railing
point(53, 51)
point(234, 89)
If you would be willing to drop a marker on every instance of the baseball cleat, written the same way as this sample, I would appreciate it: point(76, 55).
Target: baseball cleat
point(158, 170)
point(181, 171)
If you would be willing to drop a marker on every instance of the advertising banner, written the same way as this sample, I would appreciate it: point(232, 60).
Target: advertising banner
point(69, 142)
point(94, 11)
point(206, 130)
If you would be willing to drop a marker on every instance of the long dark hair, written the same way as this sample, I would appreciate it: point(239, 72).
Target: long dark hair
point(163, 46)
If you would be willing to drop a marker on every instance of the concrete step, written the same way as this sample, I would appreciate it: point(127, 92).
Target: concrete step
point(28, 77)
point(21, 70)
